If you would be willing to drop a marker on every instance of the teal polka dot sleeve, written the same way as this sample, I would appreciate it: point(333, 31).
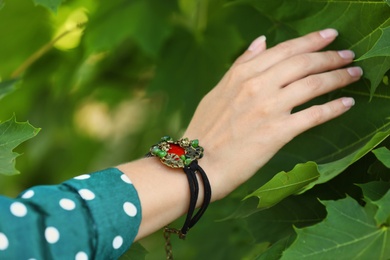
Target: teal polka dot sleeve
point(92, 216)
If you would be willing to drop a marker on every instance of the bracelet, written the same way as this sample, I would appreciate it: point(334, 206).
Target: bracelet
point(184, 154)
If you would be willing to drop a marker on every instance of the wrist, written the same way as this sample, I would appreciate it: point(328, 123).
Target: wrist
point(184, 154)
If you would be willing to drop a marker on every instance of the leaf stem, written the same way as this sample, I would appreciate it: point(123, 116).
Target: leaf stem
point(39, 53)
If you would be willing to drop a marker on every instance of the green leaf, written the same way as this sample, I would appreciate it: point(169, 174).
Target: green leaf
point(304, 176)
point(12, 134)
point(378, 171)
point(375, 190)
point(378, 194)
point(256, 250)
point(378, 66)
point(273, 224)
point(383, 213)
point(330, 170)
point(276, 225)
point(275, 251)
point(7, 87)
point(383, 155)
point(381, 47)
point(349, 231)
point(52, 5)
point(284, 184)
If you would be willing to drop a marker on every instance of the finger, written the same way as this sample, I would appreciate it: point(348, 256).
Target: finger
point(309, 43)
point(257, 46)
point(316, 115)
point(301, 65)
point(313, 86)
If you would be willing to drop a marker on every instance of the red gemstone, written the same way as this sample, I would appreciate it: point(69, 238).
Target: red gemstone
point(176, 149)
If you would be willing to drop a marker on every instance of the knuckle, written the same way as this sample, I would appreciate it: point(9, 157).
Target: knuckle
point(322, 113)
point(303, 61)
point(250, 87)
point(331, 56)
point(285, 48)
point(249, 92)
point(314, 82)
point(267, 109)
point(238, 71)
point(316, 115)
point(340, 77)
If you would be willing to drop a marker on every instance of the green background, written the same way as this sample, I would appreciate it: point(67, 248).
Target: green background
point(105, 79)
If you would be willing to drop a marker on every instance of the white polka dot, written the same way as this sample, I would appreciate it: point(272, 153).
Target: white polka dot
point(28, 194)
point(125, 179)
point(18, 209)
point(3, 242)
point(130, 209)
point(117, 242)
point(67, 204)
point(81, 256)
point(82, 177)
point(87, 194)
point(52, 235)
point(32, 259)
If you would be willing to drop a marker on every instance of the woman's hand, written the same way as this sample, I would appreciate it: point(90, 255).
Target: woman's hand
point(247, 117)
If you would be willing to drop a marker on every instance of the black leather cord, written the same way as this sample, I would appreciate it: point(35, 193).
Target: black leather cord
point(194, 192)
point(191, 220)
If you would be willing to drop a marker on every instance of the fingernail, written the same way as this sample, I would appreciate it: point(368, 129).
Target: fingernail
point(355, 71)
point(348, 102)
point(329, 33)
point(347, 54)
point(256, 43)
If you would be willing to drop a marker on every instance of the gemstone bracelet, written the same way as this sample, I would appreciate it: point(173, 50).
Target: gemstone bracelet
point(184, 154)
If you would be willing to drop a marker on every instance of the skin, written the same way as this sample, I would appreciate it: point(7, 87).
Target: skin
point(249, 109)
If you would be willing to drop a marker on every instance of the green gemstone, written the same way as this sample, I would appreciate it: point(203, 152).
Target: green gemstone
point(155, 150)
point(161, 154)
point(183, 158)
point(166, 138)
point(187, 162)
point(195, 143)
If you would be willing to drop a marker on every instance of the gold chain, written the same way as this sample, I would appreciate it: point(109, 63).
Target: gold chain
point(167, 235)
point(168, 245)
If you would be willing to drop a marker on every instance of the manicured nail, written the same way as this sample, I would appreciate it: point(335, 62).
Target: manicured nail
point(329, 33)
point(347, 54)
point(355, 71)
point(256, 43)
point(348, 102)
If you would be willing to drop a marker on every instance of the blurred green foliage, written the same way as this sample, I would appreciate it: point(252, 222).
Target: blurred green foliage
point(105, 79)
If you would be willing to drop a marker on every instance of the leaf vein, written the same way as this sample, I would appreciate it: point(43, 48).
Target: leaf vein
point(292, 184)
point(338, 245)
